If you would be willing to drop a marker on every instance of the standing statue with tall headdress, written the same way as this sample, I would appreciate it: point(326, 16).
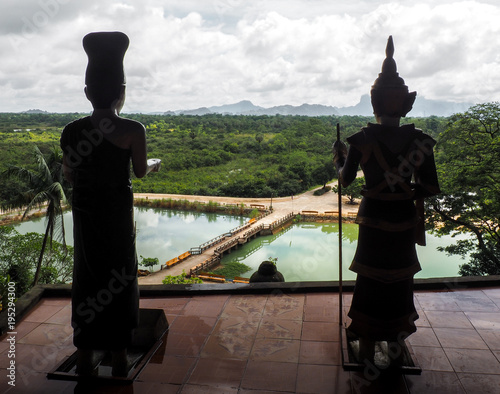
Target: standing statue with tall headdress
point(399, 169)
point(98, 151)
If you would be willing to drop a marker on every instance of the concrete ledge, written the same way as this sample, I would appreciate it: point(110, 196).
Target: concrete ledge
point(457, 283)
point(436, 284)
point(23, 306)
point(31, 298)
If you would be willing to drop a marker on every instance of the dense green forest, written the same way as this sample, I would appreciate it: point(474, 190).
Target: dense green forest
point(263, 156)
point(219, 155)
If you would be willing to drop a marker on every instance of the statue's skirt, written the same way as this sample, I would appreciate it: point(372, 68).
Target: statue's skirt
point(382, 307)
point(105, 290)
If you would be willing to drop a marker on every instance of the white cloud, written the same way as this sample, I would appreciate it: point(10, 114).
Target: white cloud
point(186, 54)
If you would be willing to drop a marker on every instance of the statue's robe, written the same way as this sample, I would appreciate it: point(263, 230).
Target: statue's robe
point(105, 295)
point(399, 169)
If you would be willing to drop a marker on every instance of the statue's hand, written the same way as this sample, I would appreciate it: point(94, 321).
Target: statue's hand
point(339, 146)
point(339, 150)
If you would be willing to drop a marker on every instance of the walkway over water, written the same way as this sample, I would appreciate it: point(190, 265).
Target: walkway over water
point(283, 208)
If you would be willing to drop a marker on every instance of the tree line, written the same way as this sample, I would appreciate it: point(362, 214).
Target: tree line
point(219, 155)
point(264, 156)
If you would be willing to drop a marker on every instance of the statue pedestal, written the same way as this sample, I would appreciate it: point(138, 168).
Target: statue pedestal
point(382, 360)
point(147, 339)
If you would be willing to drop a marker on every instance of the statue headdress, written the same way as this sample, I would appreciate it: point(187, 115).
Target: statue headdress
point(105, 51)
point(390, 95)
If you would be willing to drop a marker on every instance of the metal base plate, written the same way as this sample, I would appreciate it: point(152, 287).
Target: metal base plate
point(148, 338)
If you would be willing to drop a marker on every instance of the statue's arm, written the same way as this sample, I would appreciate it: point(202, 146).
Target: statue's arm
point(67, 170)
point(346, 162)
point(426, 180)
point(141, 165)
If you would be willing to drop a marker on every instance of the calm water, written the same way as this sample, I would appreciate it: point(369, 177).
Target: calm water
point(309, 252)
point(160, 233)
point(305, 251)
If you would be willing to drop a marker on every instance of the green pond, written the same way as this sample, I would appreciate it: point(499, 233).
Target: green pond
point(160, 233)
point(310, 252)
point(305, 251)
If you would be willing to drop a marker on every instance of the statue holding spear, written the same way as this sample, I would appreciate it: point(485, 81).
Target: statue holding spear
point(399, 170)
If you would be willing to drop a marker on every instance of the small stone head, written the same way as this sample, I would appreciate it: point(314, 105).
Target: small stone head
point(267, 272)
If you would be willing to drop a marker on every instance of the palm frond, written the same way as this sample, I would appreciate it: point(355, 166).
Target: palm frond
point(44, 187)
point(23, 174)
point(37, 201)
point(58, 231)
point(57, 192)
point(43, 167)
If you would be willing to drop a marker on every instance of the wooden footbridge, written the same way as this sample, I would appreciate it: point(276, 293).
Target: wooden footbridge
point(225, 243)
point(208, 255)
point(284, 209)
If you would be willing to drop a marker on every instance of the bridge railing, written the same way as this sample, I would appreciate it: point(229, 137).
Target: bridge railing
point(282, 220)
point(220, 238)
point(205, 265)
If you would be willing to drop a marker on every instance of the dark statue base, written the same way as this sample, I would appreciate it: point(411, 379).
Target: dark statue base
point(147, 339)
point(382, 360)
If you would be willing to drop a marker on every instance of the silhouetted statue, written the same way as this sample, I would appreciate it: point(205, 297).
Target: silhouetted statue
point(399, 169)
point(97, 153)
point(267, 272)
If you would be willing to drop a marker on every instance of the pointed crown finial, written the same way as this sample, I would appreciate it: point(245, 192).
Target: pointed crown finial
point(389, 94)
point(389, 76)
point(389, 49)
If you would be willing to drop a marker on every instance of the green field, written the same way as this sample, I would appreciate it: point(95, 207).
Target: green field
point(221, 155)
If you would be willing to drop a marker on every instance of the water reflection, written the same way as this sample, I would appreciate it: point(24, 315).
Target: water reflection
point(161, 233)
point(305, 251)
point(309, 252)
point(175, 232)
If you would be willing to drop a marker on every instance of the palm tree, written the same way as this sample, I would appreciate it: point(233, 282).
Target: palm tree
point(47, 188)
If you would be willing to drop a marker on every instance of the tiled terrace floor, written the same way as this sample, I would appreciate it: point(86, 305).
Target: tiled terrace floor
point(272, 343)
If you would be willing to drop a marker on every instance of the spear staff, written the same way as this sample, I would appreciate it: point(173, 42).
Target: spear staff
point(339, 195)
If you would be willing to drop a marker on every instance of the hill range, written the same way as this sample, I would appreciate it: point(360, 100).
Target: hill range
point(421, 108)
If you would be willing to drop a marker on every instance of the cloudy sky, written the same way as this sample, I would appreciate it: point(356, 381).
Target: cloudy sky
point(194, 53)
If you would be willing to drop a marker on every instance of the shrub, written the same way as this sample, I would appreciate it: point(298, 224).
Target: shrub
point(323, 190)
point(255, 213)
point(232, 269)
point(180, 279)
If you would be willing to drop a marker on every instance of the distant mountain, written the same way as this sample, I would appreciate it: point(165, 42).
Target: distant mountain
point(304, 110)
point(424, 107)
point(199, 111)
point(363, 108)
point(34, 111)
point(246, 107)
point(421, 108)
